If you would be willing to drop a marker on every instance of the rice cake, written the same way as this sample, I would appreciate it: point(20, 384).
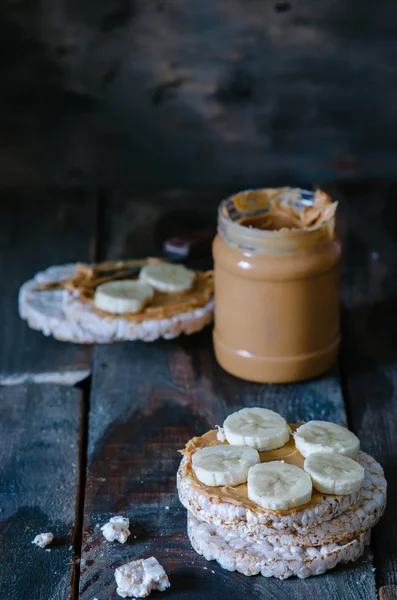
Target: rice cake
point(235, 553)
point(68, 317)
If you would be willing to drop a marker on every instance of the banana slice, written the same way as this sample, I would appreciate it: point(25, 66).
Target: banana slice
point(165, 277)
point(124, 296)
point(333, 473)
point(322, 436)
point(259, 428)
point(224, 465)
point(278, 485)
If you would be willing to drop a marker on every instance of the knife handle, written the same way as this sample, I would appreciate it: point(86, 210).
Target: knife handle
point(193, 244)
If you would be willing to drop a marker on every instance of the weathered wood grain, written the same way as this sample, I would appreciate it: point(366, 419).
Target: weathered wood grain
point(39, 230)
point(138, 223)
point(147, 400)
point(369, 293)
point(39, 456)
point(184, 93)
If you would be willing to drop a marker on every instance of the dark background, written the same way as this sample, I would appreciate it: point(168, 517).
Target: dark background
point(98, 95)
point(197, 92)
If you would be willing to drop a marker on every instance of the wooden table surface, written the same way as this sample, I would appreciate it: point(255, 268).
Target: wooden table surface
point(87, 432)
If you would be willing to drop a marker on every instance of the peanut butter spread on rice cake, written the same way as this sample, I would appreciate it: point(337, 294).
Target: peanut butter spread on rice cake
point(238, 495)
point(163, 305)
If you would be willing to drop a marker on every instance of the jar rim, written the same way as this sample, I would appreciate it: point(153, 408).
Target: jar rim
point(245, 237)
point(306, 199)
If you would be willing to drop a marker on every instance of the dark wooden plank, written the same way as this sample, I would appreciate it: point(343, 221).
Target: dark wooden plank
point(147, 401)
point(39, 436)
point(181, 93)
point(369, 350)
point(40, 230)
point(147, 217)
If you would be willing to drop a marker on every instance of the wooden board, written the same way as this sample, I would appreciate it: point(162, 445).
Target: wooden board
point(369, 294)
point(40, 230)
point(39, 463)
point(147, 400)
point(137, 224)
point(176, 92)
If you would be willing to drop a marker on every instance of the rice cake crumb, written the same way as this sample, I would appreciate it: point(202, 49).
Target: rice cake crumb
point(43, 539)
point(220, 434)
point(116, 529)
point(138, 578)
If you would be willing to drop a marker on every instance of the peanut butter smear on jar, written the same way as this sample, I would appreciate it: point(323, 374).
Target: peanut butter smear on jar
point(276, 284)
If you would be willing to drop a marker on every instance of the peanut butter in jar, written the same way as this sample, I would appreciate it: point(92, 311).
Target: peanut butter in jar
point(276, 262)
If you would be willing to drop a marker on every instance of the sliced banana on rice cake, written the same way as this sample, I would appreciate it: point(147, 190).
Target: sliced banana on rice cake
point(259, 428)
point(323, 436)
point(323, 504)
point(167, 278)
point(108, 302)
point(334, 473)
point(125, 296)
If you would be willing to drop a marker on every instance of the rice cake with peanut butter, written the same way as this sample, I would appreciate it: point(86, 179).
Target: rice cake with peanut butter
point(325, 520)
point(321, 521)
point(60, 302)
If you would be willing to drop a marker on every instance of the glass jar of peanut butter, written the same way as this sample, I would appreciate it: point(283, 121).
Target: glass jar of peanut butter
point(276, 262)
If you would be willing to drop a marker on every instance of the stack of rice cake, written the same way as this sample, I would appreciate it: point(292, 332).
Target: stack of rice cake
point(226, 526)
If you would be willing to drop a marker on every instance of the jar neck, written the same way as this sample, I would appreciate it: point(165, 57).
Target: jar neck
point(274, 241)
